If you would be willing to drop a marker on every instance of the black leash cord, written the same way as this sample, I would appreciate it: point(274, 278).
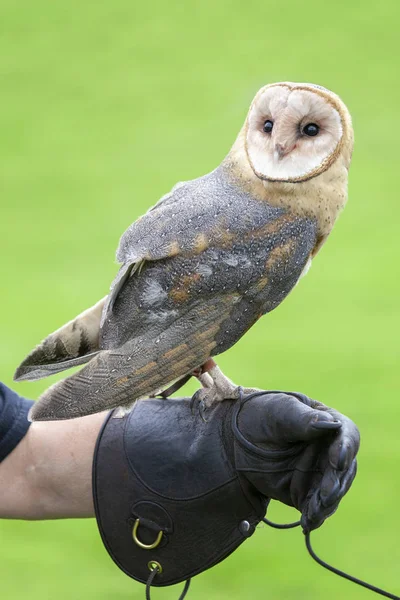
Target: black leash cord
point(281, 525)
point(329, 567)
point(152, 576)
point(345, 575)
point(321, 562)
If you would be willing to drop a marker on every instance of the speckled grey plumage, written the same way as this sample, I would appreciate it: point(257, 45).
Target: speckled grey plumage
point(198, 270)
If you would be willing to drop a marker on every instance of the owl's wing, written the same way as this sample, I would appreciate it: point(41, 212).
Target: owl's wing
point(213, 299)
point(141, 366)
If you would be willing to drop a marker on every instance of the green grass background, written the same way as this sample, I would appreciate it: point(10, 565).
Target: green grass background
point(104, 106)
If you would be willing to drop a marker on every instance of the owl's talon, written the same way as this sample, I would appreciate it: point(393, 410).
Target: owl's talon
point(201, 405)
point(202, 411)
point(195, 398)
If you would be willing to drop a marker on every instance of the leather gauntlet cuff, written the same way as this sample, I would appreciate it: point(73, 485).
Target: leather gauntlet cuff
point(166, 490)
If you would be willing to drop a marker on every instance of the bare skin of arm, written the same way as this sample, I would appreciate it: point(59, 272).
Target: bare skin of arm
point(49, 474)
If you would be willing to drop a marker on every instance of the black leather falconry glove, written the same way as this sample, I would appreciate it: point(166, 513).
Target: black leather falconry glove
point(298, 451)
point(174, 491)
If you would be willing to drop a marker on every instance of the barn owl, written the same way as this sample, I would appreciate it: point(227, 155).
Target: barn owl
point(207, 261)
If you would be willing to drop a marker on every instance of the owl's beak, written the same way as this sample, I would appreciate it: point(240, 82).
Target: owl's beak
point(282, 150)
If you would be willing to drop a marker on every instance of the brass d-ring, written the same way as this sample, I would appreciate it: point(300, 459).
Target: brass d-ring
point(139, 543)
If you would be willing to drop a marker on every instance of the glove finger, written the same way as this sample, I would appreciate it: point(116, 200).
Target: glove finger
point(314, 515)
point(348, 479)
point(316, 512)
point(286, 418)
point(325, 500)
point(329, 489)
point(335, 483)
point(345, 446)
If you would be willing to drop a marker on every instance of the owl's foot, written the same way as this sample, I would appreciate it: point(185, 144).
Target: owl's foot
point(216, 387)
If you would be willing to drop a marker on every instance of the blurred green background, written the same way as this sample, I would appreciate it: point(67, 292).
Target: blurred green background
point(105, 105)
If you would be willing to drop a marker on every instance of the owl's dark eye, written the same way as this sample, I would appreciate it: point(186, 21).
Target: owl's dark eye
point(267, 127)
point(311, 129)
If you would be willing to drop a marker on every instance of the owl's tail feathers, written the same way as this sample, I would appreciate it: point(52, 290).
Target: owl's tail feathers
point(116, 378)
point(74, 344)
point(100, 385)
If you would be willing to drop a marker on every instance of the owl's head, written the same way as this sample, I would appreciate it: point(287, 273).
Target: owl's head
point(296, 131)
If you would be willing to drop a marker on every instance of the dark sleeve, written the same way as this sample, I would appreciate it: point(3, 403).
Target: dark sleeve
point(13, 419)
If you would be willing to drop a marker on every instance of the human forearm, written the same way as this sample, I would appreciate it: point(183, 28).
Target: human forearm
point(48, 475)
